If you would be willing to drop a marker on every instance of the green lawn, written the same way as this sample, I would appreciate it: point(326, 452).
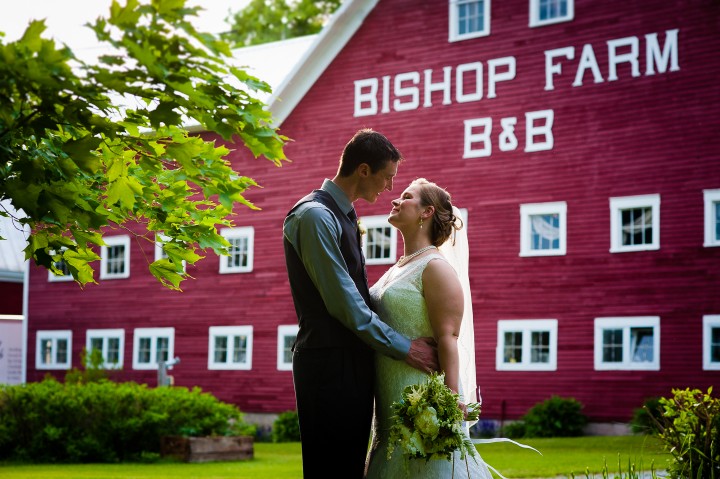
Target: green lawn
point(272, 461)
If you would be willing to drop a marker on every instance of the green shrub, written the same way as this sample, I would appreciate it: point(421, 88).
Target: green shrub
point(286, 427)
point(93, 368)
point(554, 417)
point(105, 421)
point(690, 431)
point(645, 419)
point(514, 430)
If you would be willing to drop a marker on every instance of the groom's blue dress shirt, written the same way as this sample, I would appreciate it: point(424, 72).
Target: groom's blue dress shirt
point(314, 233)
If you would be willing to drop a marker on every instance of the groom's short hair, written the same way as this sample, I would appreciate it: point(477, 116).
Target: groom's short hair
point(370, 147)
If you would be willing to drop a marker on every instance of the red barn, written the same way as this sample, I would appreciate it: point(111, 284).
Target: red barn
point(581, 139)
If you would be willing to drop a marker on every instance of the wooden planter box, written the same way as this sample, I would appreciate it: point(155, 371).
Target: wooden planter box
point(207, 449)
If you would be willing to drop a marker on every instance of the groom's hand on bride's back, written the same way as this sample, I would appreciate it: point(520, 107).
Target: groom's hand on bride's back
point(423, 355)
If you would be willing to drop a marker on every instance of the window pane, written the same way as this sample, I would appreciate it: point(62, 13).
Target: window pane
point(62, 351)
point(641, 340)
point(221, 349)
point(513, 347)
point(612, 345)
point(163, 348)
point(545, 231)
point(113, 351)
point(96, 343)
point(238, 253)
point(550, 9)
point(144, 351)
point(116, 259)
point(46, 351)
point(715, 345)
point(287, 348)
point(240, 349)
point(540, 347)
point(716, 207)
point(470, 16)
point(378, 243)
point(636, 226)
point(62, 266)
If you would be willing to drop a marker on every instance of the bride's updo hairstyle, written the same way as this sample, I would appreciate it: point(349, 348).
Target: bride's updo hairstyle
point(444, 222)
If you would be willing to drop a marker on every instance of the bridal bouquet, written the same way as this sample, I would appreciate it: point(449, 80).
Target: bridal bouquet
point(428, 422)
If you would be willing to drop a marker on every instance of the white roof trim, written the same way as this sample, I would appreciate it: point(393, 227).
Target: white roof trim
point(331, 40)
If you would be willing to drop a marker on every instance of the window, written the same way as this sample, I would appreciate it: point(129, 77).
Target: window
point(547, 12)
point(53, 350)
point(151, 346)
point(160, 253)
point(634, 223)
point(230, 347)
point(115, 257)
point(62, 266)
point(469, 19)
point(379, 240)
point(110, 343)
point(627, 343)
point(543, 229)
point(527, 345)
point(241, 250)
point(711, 342)
point(286, 338)
point(712, 217)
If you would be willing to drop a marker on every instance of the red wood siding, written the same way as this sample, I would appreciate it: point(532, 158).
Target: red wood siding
point(633, 136)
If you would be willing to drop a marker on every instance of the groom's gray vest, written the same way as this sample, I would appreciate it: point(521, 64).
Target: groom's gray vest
point(317, 328)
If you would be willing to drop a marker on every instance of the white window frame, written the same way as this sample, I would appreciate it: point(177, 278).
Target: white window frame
point(105, 335)
point(160, 240)
point(533, 209)
point(535, 14)
point(617, 205)
point(54, 336)
point(379, 221)
point(236, 233)
point(283, 332)
point(122, 240)
point(454, 36)
point(626, 324)
point(154, 334)
point(712, 203)
point(709, 322)
point(230, 332)
point(527, 327)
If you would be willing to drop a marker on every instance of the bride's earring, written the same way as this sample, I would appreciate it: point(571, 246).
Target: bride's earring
point(421, 222)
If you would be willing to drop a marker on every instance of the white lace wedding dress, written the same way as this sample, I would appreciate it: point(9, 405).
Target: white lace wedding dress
point(399, 301)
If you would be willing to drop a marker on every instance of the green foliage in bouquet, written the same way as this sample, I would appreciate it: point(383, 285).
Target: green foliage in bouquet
point(428, 422)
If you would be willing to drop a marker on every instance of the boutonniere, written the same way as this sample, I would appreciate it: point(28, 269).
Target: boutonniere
point(361, 228)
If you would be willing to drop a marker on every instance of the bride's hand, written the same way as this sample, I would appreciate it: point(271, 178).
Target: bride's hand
point(464, 409)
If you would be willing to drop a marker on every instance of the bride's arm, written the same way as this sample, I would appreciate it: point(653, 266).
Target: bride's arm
point(444, 299)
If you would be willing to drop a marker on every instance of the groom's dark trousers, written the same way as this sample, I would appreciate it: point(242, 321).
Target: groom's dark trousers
point(333, 370)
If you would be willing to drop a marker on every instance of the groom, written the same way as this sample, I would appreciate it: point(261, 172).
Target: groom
point(333, 366)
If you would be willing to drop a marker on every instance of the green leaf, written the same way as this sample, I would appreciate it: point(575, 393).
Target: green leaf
point(82, 152)
point(166, 273)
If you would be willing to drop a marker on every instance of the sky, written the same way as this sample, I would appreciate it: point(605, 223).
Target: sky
point(65, 19)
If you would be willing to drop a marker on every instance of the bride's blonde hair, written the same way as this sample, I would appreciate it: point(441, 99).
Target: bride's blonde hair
point(444, 222)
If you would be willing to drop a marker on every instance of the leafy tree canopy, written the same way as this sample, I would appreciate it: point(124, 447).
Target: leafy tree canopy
point(84, 147)
point(263, 21)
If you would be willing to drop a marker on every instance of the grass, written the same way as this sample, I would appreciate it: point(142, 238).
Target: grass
point(566, 456)
point(561, 456)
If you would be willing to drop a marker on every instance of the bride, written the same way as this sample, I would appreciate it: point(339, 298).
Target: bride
point(422, 295)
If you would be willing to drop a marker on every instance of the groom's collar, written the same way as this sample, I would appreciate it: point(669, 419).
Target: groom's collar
point(338, 195)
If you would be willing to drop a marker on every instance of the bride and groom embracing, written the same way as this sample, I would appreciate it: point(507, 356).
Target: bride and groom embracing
point(358, 347)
